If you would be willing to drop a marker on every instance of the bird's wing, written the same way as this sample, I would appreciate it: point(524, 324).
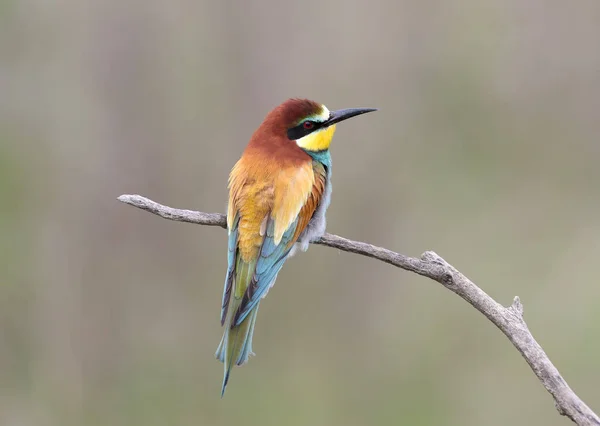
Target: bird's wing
point(292, 210)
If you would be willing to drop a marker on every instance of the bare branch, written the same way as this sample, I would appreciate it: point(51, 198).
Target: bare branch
point(509, 320)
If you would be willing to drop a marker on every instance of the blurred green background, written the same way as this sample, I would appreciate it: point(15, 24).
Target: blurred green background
point(485, 149)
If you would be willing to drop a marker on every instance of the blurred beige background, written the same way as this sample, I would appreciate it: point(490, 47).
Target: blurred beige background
point(485, 149)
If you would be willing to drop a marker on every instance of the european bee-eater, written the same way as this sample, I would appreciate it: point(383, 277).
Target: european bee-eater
point(279, 191)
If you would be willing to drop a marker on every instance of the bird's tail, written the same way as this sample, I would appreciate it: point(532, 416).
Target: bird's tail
point(236, 344)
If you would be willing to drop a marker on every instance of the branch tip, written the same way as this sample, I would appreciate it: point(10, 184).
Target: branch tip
point(517, 306)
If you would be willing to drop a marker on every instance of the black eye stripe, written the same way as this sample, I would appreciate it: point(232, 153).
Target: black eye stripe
point(299, 131)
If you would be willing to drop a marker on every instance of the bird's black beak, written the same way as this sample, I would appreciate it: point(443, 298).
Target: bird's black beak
point(344, 114)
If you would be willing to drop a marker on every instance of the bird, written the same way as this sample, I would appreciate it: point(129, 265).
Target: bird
point(279, 192)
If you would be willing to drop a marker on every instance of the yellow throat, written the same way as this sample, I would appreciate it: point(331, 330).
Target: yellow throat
point(317, 141)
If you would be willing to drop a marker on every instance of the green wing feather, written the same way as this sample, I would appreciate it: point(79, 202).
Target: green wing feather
point(245, 284)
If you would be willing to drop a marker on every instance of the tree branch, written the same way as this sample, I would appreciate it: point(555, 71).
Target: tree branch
point(509, 320)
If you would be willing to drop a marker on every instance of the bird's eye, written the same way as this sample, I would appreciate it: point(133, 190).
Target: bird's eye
point(308, 125)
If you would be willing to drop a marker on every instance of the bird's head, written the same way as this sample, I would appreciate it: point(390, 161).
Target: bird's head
point(307, 123)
